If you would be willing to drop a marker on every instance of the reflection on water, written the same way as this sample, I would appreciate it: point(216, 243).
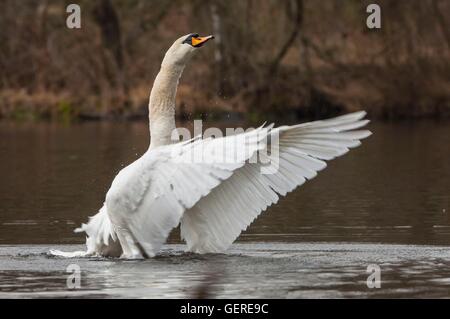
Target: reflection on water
point(392, 189)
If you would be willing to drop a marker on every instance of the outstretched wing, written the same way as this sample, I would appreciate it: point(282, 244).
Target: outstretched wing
point(149, 197)
point(297, 154)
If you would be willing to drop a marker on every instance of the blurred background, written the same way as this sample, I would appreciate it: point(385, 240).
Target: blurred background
point(73, 107)
point(280, 58)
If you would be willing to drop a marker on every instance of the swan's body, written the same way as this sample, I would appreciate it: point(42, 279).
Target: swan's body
point(217, 197)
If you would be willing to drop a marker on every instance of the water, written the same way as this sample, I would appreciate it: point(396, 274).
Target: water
point(386, 202)
point(247, 270)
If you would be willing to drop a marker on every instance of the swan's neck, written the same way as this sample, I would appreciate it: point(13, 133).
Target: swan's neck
point(162, 105)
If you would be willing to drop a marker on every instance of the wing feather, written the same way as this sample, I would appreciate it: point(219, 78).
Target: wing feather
point(217, 219)
point(150, 196)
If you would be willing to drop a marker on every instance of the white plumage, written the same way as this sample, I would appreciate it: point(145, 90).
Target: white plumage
point(214, 197)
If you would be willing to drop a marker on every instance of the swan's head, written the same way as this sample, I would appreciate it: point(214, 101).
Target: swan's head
point(183, 48)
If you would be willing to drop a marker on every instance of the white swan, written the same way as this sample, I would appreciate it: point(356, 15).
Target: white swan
point(214, 199)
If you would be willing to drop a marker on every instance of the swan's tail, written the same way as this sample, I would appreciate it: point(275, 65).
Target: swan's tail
point(72, 254)
point(101, 238)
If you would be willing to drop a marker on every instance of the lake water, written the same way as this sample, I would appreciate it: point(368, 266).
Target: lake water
point(386, 202)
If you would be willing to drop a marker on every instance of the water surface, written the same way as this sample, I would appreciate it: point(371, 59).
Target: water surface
point(394, 189)
point(247, 270)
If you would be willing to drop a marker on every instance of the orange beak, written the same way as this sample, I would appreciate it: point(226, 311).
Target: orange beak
point(199, 41)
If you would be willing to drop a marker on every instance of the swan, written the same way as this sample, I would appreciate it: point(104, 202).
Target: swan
point(214, 199)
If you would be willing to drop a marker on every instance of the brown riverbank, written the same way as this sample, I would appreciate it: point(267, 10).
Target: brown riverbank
point(296, 58)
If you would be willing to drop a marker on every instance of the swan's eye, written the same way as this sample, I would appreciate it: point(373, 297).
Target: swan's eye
point(188, 40)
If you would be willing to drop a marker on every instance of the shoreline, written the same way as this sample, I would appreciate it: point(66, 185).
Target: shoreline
point(293, 116)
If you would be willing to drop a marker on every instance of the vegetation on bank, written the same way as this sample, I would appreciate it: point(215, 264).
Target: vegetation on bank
point(304, 57)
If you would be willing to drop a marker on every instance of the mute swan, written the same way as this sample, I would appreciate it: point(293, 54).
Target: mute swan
point(213, 200)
